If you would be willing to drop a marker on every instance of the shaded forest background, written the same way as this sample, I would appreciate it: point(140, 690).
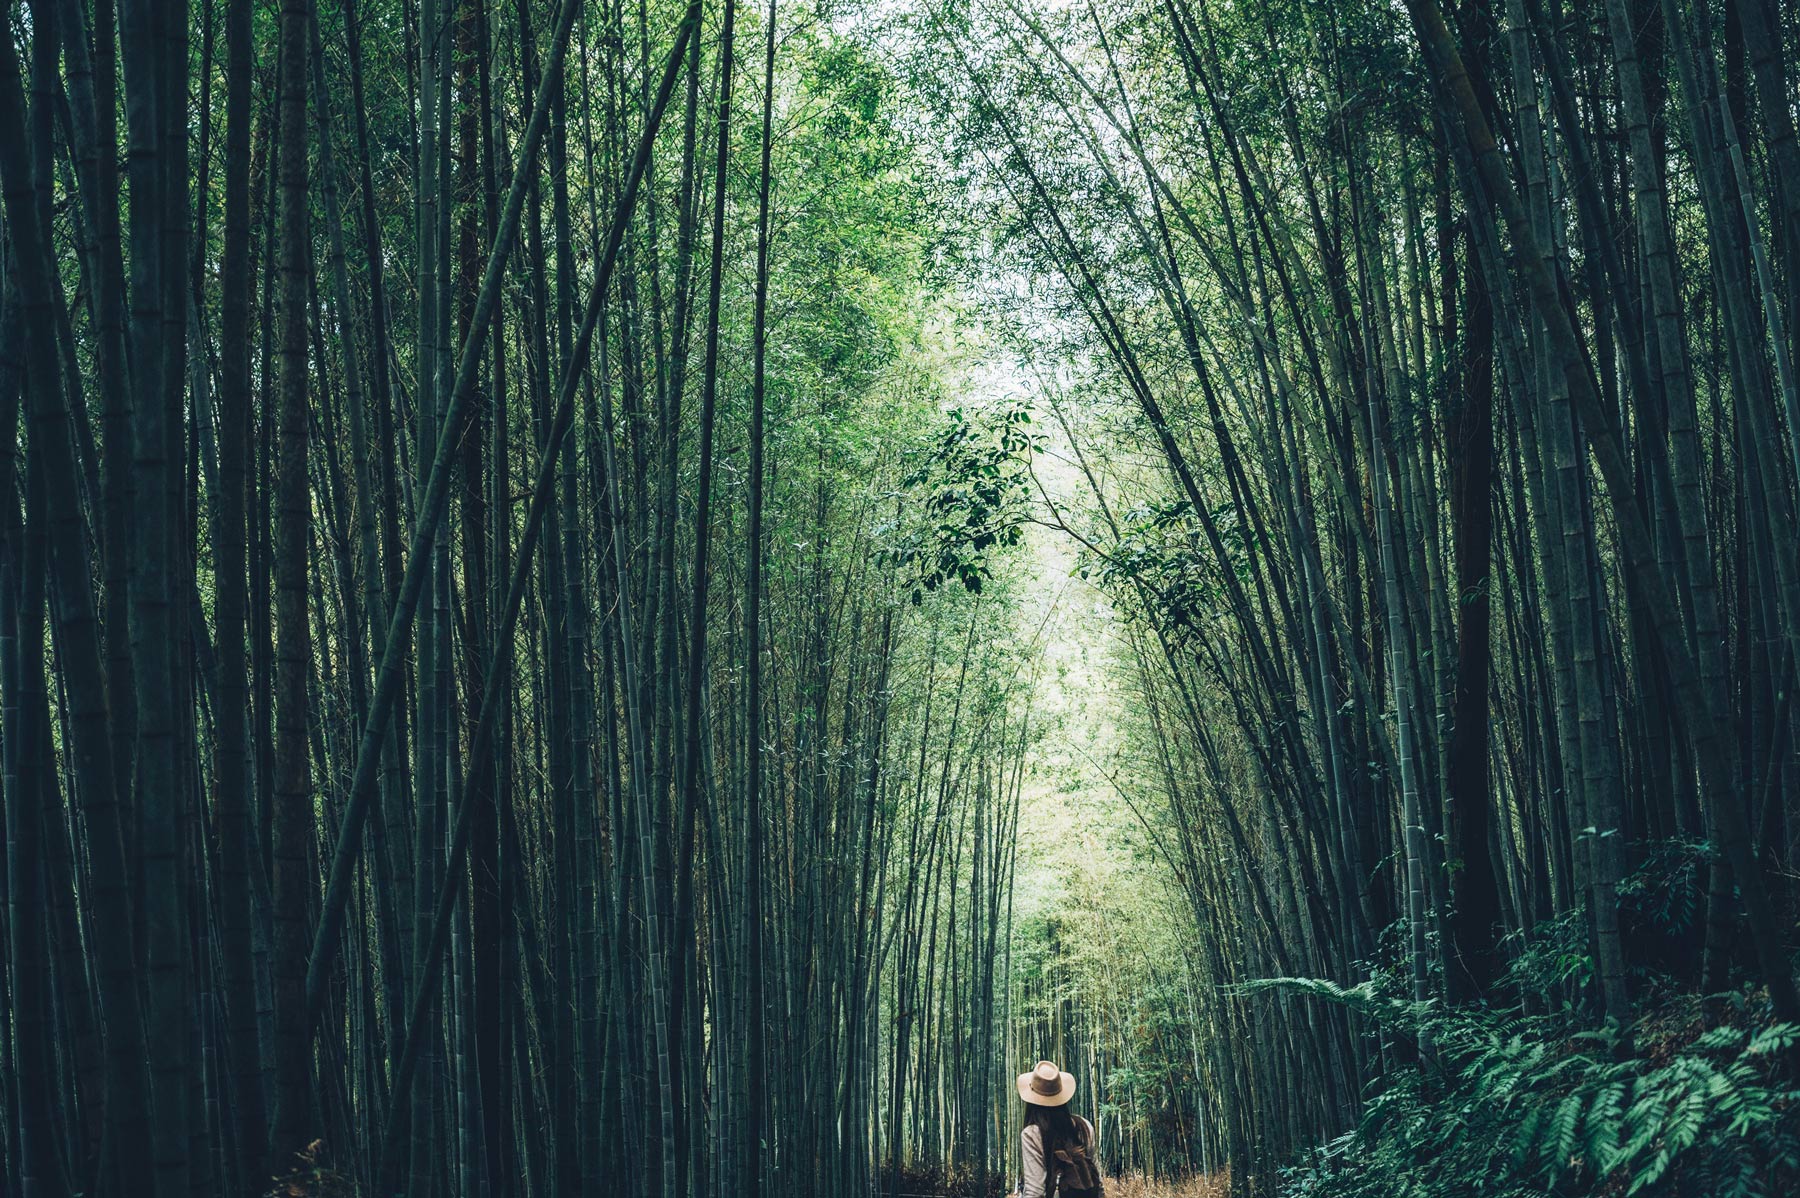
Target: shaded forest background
point(656, 598)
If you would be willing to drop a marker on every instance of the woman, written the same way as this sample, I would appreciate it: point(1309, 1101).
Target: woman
point(1056, 1150)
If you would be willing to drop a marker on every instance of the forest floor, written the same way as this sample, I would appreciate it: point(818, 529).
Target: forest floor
point(1211, 1185)
point(1134, 1186)
point(933, 1184)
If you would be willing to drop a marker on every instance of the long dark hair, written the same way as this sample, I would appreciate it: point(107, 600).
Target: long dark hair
point(1056, 1128)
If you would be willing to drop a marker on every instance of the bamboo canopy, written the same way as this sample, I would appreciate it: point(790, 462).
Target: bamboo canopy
point(659, 598)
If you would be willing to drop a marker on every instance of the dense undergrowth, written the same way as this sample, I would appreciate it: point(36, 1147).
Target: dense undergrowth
point(1697, 1098)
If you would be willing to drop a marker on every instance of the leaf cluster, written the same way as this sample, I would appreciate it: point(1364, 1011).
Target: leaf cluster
point(973, 486)
point(1160, 564)
point(1514, 1106)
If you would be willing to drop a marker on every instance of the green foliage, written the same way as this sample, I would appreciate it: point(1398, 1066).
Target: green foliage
point(1147, 1090)
point(1555, 959)
point(1666, 894)
point(1161, 563)
point(1515, 1106)
point(1660, 907)
point(975, 494)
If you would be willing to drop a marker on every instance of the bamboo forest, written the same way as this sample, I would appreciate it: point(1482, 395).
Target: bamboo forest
point(689, 598)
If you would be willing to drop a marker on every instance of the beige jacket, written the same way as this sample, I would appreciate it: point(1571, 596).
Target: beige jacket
point(1034, 1178)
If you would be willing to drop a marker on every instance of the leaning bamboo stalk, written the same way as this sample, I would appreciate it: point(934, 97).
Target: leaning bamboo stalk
point(430, 511)
point(482, 741)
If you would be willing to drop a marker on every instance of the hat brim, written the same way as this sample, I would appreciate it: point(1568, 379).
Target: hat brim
point(1065, 1090)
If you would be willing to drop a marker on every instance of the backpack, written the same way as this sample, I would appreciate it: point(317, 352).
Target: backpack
point(1076, 1174)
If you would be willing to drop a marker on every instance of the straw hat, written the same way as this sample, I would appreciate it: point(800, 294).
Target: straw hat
point(1046, 1085)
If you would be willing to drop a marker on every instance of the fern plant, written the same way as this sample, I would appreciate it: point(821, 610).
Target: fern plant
point(1517, 1106)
